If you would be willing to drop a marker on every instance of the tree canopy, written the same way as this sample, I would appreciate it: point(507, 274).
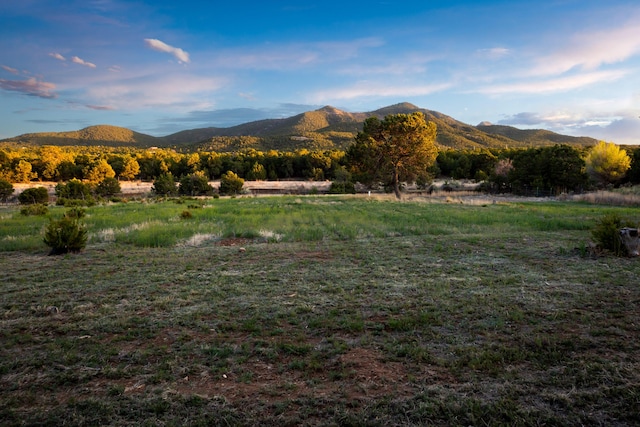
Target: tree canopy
point(607, 163)
point(398, 148)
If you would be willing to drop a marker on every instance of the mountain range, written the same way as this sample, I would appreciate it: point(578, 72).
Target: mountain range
point(325, 128)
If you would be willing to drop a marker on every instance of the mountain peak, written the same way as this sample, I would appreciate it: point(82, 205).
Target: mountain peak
point(331, 110)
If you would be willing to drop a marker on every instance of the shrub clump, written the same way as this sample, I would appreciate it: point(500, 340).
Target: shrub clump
point(606, 233)
point(65, 235)
point(195, 184)
point(231, 184)
point(165, 185)
point(32, 196)
point(36, 209)
point(108, 187)
point(74, 193)
point(6, 190)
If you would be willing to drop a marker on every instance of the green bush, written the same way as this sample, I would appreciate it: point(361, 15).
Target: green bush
point(606, 233)
point(32, 196)
point(6, 190)
point(195, 184)
point(342, 188)
point(73, 189)
point(108, 187)
point(65, 235)
point(230, 184)
point(74, 193)
point(186, 215)
point(75, 212)
point(36, 209)
point(165, 185)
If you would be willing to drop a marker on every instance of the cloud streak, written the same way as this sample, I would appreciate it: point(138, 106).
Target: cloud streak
point(9, 69)
point(80, 61)
point(561, 84)
point(591, 50)
point(31, 87)
point(57, 56)
point(161, 46)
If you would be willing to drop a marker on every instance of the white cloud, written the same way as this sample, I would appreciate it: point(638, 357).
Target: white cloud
point(592, 49)
point(57, 56)
point(31, 87)
point(175, 92)
point(160, 46)
point(80, 61)
point(493, 53)
point(561, 84)
point(621, 127)
point(9, 69)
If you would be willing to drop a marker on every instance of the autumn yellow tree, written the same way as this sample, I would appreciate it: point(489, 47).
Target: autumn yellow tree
point(607, 163)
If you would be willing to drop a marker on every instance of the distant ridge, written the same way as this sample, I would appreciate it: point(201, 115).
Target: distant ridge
point(324, 128)
point(92, 135)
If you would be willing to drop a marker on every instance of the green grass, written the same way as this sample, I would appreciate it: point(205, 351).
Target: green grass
point(340, 311)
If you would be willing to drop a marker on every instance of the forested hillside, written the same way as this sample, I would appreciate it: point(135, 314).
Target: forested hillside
point(324, 129)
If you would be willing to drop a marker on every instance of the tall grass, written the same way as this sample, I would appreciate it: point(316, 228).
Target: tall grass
point(161, 224)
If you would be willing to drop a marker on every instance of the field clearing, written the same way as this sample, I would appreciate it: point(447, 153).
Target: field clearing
point(337, 311)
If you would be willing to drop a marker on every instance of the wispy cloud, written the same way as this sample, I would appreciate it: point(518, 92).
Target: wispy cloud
point(561, 84)
point(100, 107)
point(80, 61)
point(161, 46)
point(173, 91)
point(31, 87)
point(592, 49)
point(493, 53)
point(57, 56)
point(9, 69)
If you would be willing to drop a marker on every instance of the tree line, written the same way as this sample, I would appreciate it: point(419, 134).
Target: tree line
point(399, 148)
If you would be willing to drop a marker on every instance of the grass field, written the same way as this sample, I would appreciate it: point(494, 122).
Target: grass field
point(338, 311)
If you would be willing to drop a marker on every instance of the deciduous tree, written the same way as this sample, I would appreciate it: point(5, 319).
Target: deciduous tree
point(607, 163)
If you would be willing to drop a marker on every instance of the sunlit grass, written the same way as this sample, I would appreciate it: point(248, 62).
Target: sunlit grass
point(289, 219)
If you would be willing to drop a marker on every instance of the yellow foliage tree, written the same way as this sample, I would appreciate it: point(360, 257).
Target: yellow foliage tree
point(100, 171)
point(607, 163)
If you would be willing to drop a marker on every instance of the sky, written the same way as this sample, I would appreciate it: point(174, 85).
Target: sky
point(161, 66)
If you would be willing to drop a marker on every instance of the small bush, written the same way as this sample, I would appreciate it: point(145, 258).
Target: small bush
point(343, 187)
point(165, 185)
point(65, 235)
point(37, 209)
point(75, 212)
point(231, 184)
point(32, 196)
point(195, 184)
point(186, 215)
point(6, 190)
point(606, 233)
point(74, 193)
point(74, 189)
point(108, 187)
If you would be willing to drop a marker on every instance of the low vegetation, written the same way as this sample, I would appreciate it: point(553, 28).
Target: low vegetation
point(332, 310)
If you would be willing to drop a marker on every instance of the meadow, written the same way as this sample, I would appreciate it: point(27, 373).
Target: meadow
point(319, 310)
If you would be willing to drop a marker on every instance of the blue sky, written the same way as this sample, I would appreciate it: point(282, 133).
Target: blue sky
point(158, 67)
